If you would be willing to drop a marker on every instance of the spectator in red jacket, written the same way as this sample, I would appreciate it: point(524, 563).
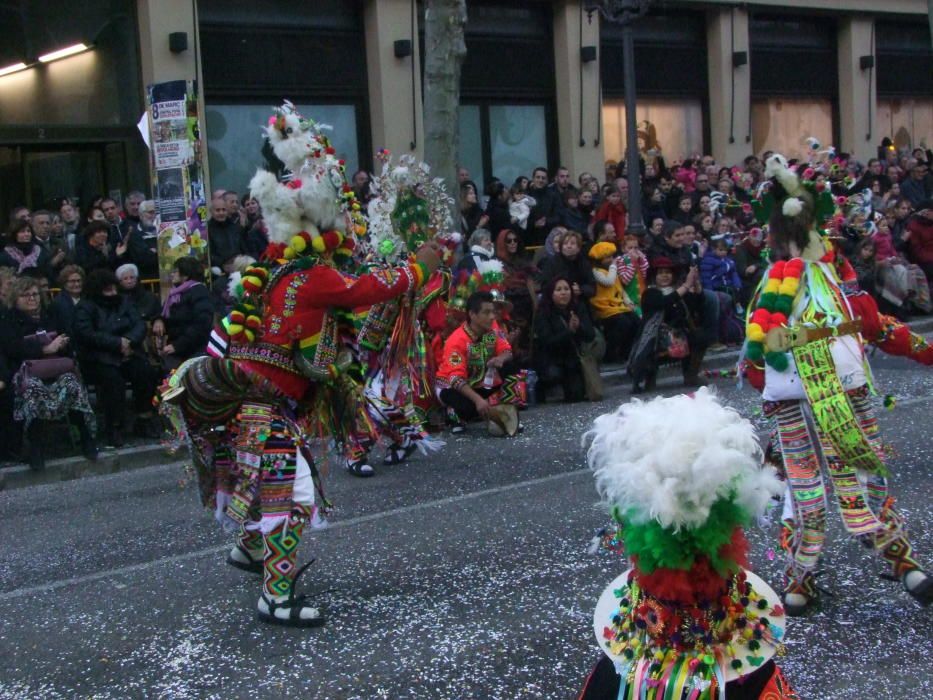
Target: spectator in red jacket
point(613, 211)
point(919, 238)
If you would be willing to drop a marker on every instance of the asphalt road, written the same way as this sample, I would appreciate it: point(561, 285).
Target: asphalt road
point(460, 576)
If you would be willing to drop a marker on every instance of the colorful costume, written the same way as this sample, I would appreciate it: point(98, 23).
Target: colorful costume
point(278, 376)
point(805, 353)
point(682, 477)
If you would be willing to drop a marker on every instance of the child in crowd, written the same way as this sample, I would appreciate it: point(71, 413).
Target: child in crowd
point(684, 213)
point(571, 217)
point(618, 319)
point(632, 267)
point(520, 206)
point(718, 270)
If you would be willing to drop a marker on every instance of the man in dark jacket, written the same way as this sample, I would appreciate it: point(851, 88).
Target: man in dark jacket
point(109, 333)
point(546, 213)
point(225, 237)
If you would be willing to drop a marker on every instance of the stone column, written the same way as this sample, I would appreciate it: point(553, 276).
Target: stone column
point(395, 108)
point(729, 85)
point(580, 148)
point(858, 104)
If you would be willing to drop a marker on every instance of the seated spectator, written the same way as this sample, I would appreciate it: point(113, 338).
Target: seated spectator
point(62, 308)
point(617, 319)
point(520, 205)
point(718, 270)
point(613, 210)
point(43, 390)
point(257, 240)
point(569, 263)
point(6, 285)
point(93, 249)
point(221, 294)
point(654, 205)
point(481, 250)
point(906, 280)
point(471, 213)
point(632, 267)
point(498, 217)
point(476, 366)
point(915, 188)
point(571, 217)
point(518, 284)
point(685, 206)
point(604, 232)
point(225, 238)
point(866, 271)
point(22, 252)
point(55, 246)
point(918, 235)
point(140, 245)
point(109, 336)
point(145, 302)
point(183, 329)
point(586, 203)
point(673, 307)
point(562, 326)
point(749, 264)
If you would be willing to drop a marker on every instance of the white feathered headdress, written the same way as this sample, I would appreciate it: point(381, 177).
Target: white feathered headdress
point(671, 459)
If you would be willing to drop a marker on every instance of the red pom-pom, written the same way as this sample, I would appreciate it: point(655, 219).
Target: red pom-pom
point(761, 317)
point(253, 322)
point(777, 271)
point(237, 317)
point(331, 239)
point(778, 319)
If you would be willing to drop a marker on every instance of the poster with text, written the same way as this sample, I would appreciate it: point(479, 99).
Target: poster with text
point(177, 174)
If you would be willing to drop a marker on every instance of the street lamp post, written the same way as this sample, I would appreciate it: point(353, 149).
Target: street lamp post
point(624, 13)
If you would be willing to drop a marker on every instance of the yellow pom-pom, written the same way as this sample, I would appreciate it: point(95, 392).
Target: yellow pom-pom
point(772, 286)
point(790, 286)
point(298, 243)
point(290, 253)
point(318, 244)
point(250, 336)
point(360, 229)
point(755, 333)
point(235, 329)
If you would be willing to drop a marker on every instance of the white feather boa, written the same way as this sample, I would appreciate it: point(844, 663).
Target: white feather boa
point(671, 458)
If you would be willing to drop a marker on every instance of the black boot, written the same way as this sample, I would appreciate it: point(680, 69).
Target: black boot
point(36, 455)
point(88, 446)
point(691, 367)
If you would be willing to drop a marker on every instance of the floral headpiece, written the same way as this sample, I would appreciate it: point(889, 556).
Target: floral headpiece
point(410, 208)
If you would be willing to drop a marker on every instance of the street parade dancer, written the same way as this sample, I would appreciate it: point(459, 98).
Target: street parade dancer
point(408, 209)
point(278, 379)
point(682, 477)
point(805, 353)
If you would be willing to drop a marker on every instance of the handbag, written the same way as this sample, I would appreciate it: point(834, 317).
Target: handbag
point(47, 369)
point(590, 353)
point(672, 343)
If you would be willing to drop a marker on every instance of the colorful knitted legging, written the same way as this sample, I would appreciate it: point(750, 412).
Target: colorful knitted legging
point(867, 510)
point(281, 551)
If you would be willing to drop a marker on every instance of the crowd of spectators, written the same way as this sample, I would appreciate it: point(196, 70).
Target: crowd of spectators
point(75, 313)
point(81, 320)
point(575, 267)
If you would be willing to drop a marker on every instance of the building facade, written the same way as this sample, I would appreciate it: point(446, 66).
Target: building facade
point(542, 83)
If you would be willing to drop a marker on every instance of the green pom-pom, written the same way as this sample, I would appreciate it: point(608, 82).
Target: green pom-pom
point(768, 300)
point(784, 304)
point(777, 360)
point(755, 351)
point(386, 248)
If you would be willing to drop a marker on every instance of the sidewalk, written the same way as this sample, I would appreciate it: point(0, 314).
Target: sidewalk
point(151, 453)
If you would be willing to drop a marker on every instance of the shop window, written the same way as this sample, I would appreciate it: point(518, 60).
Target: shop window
point(783, 124)
point(503, 141)
point(471, 144)
point(235, 139)
point(908, 121)
point(671, 128)
point(517, 139)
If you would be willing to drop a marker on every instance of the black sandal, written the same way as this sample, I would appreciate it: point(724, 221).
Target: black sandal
point(360, 468)
point(396, 454)
point(253, 567)
point(294, 604)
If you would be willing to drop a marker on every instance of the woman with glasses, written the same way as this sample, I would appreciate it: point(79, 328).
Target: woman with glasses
point(43, 390)
point(62, 308)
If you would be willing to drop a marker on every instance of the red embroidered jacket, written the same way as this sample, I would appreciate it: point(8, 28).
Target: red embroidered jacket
point(297, 311)
point(465, 357)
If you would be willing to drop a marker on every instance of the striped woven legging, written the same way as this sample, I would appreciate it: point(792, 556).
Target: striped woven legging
point(867, 510)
